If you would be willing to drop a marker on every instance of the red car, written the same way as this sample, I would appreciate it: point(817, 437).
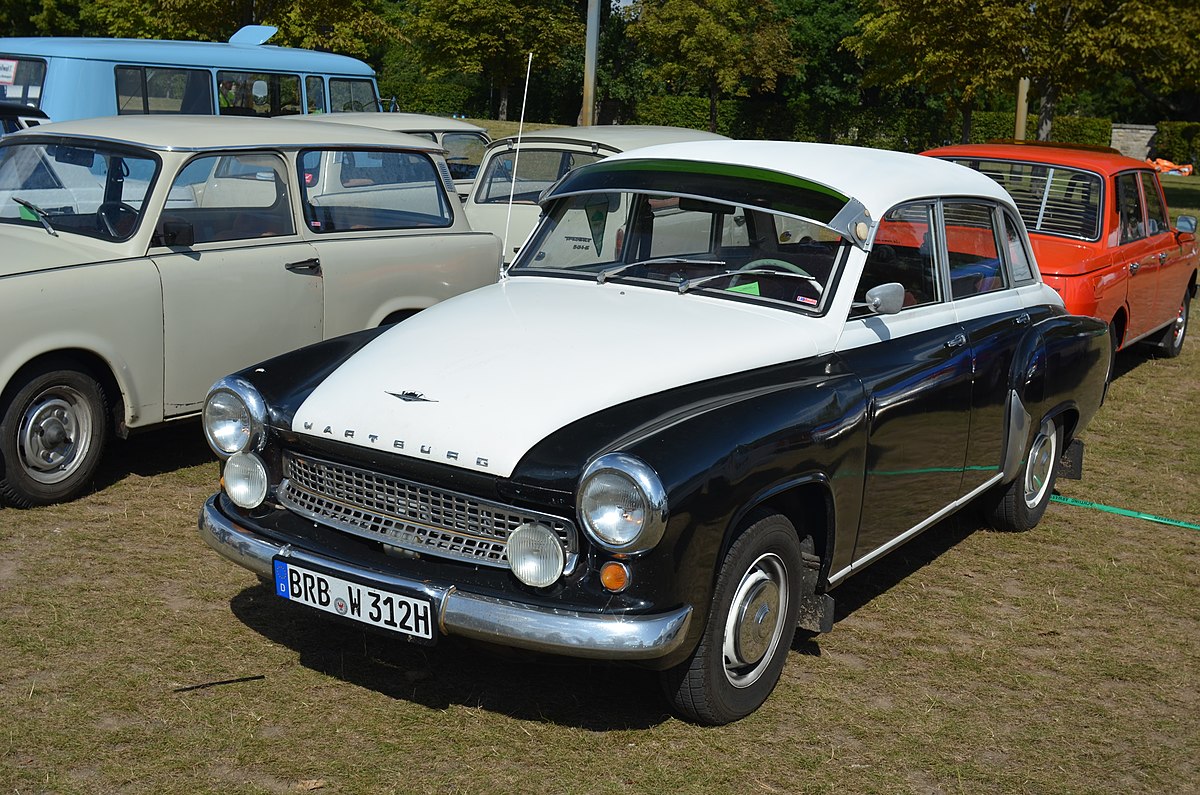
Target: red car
point(1101, 234)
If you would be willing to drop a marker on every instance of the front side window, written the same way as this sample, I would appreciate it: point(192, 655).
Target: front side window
point(348, 95)
point(257, 94)
point(147, 89)
point(972, 250)
point(686, 244)
point(1130, 218)
point(537, 169)
point(82, 188)
point(1156, 211)
point(360, 190)
point(1053, 200)
point(21, 79)
point(903, 252)
point(239, 196)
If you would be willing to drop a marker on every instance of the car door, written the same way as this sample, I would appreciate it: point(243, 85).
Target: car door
point(1172, 272)
point(1137, 252)
point(239, 285)
point(915, 366)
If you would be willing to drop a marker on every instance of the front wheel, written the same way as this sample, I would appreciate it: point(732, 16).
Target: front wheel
point(750, 627)
point(52, 435)
point(1171, 343)
point(1019, 507)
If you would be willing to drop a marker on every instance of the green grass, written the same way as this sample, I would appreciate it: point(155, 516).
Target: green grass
point(1183, 195)
point(135, 660)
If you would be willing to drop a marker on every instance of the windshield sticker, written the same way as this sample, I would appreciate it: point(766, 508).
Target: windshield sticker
point(8, 73)
point(748, 289)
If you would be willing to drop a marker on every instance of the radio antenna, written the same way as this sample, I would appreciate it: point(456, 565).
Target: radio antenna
point(512, 188)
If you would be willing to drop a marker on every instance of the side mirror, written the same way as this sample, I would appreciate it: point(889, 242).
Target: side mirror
point(1186, 223)
point(884, 299)
point(176, 233)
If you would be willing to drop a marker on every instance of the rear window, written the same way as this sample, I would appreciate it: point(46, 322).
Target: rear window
point(21, 80)
point(1053, 200)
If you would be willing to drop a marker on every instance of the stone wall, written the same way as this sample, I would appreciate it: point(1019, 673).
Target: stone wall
point(1134, 140)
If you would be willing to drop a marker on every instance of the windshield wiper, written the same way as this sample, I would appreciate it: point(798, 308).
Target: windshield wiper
point(690, 283)
point(608, 273)
point(41, 214)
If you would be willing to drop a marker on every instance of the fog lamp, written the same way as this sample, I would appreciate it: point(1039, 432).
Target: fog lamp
point(245, 480)
point(535, 555)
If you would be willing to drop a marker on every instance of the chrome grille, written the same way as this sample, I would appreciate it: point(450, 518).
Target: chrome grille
point(406, 514)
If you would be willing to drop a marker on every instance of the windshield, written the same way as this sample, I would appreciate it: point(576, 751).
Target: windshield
point(83, 188)
point(688, 245)
point(537, 169)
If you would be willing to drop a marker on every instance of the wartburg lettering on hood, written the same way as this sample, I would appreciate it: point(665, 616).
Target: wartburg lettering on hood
point(476, 381)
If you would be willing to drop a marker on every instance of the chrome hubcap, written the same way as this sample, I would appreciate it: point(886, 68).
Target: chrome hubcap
point(1040, 464)
point(1180, 325)
point(54, 435)
point(754, 625)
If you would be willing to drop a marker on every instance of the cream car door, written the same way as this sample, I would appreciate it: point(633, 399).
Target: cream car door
point(238, 283)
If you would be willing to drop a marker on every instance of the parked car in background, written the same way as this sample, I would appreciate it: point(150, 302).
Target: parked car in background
point(76, 78)
point(15, 116)
point(1101, 233)
point(729, 376)
point(539, 159)
point(464, 142)
point(145, 257)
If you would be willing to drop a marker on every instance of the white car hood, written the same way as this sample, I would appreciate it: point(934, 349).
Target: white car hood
point(476, 381)
point(33, 248)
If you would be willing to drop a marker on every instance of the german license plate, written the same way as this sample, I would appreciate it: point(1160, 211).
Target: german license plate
point(379, 608)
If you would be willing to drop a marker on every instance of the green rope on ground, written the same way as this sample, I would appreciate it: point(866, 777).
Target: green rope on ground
point(1123, 512)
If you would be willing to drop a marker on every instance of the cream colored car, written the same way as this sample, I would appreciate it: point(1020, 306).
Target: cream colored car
point(147, 256)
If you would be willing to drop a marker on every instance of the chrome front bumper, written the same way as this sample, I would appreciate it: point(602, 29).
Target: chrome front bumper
point(499, 621)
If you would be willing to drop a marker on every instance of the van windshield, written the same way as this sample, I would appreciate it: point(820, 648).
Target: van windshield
point(21, 79)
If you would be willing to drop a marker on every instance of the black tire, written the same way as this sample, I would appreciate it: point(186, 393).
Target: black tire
point(1171, 344)
point(52, 436)
point(750, 628)
point(1020, 505)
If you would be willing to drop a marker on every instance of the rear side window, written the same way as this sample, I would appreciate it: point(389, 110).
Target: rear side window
point(149, 89)
point(346, 95)
point(362, 190)
point(1018, 256)
point(1129, 209)
point(973, 254)
point(21, 80)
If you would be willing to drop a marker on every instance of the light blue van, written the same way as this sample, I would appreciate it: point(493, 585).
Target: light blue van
point(75, 78)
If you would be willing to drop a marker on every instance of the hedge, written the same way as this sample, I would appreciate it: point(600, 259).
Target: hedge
point(1178, 141)
point(988, 125)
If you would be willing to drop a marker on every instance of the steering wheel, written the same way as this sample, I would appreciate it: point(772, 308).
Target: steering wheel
point(767, 263)
point(110, 215)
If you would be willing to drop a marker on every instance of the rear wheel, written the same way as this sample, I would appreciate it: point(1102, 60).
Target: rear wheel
point(1171, 343)
point(52, 435)
point(750, 627)
point(1020, 506)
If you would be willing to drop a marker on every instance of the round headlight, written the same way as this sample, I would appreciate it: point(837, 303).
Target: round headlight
point(535, 555)
point(622, 503)
point(234, 417)
point(245, 480)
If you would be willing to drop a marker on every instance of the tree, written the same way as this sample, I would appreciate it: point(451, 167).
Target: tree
point(492, 37)
point(720, 47)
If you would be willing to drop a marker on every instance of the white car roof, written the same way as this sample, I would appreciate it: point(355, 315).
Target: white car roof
point(877, 178)
point(195, 133)
point(614, 137)
point(397, 122)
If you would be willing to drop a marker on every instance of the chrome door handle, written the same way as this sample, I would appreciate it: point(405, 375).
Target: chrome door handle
point(957, 341)
point(1133, 267)
point(1022, 319)
point(310, 265)
point(1162, 258)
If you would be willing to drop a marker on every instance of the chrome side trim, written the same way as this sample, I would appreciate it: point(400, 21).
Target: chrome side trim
point(503, 622)
point(1017, 432)
point(876, 554)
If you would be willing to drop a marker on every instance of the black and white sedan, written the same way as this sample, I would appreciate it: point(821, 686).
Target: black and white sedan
point(720, 379)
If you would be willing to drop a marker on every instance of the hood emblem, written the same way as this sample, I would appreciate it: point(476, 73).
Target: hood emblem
point(411, 397)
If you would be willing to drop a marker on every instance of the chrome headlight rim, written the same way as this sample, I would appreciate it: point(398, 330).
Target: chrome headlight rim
point(643, 476)
point(256, 412)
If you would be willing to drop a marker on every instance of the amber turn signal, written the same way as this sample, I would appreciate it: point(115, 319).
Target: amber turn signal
point(614, 576)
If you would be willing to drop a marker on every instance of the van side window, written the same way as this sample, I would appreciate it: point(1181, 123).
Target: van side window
point(351, 95)
point(149, 89)
point(257, 94)
point(314, 89)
